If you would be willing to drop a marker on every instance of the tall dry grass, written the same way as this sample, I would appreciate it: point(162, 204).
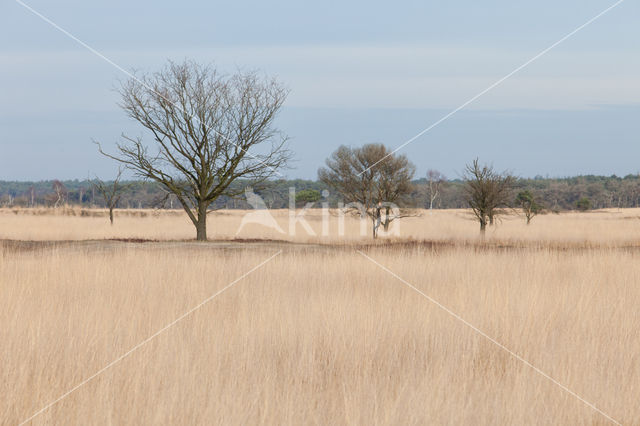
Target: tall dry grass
point(613, 227)
point(319, 335)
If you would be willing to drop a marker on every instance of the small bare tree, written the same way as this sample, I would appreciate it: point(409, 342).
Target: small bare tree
point(111, 192)
point(435, 180)
point(208, 130)
point(486, 192)
point(60, 192)
point(32, 196)
point(529, 204)
point(370, 181)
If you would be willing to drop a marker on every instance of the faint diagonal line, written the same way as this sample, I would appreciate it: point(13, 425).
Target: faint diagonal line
point(150, 338)
point(130, 75)
point(489, 338)
point(497, 83)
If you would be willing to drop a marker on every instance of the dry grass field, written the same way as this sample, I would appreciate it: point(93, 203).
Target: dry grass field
point(611, 228)
point(319, 334)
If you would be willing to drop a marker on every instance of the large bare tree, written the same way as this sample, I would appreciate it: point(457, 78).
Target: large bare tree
point(370, 181)
point(207, 130)
point(487, 192)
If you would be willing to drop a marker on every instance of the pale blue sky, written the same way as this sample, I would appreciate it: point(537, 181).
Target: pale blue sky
point(362, 71)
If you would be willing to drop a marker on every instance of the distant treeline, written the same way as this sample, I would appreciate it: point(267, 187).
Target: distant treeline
point(554, 194)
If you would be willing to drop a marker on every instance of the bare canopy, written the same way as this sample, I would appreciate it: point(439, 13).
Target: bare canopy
point(371, 180)
point(207, 130)
point(111, 192)
point(486, 191)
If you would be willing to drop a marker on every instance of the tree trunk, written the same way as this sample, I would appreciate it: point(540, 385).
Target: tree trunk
point(528, 219)
point(111, 215)
point(374, 228)
point(201, 225)
point(483, 227)
point(386, 220)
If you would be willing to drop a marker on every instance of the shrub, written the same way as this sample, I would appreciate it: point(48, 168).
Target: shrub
point(308, 196)
point(583, 204)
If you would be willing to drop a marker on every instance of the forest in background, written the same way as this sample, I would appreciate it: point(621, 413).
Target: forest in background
point(554, 194)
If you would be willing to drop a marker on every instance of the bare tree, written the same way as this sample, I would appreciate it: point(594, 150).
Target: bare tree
point(529, 204)
point(435, 179)
point(111, 192)
point(370, 181)
point(486, 192)
point(60, 192)
point(208, 130)
point(394, 185)
point(32, 196)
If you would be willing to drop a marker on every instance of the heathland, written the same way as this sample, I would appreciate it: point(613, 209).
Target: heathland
point(533, 324)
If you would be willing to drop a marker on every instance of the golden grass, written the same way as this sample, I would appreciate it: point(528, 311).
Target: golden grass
point(612, 227)
point(320, 334)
